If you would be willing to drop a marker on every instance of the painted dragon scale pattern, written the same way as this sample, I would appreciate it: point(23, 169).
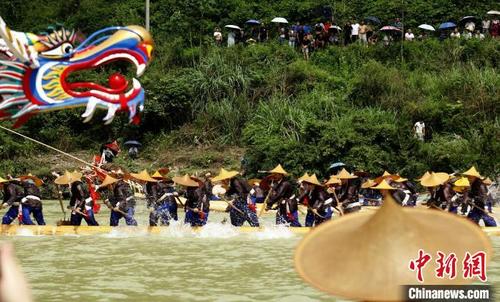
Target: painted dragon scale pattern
point(34, 69)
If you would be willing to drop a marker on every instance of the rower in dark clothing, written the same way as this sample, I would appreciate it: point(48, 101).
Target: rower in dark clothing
point(319, 201)
point(154, 198)
point(405, 193)
point(238, 191)
point(12, 195)
point(196, 206)
point(280, 194)
point(164, 202)
point(349, 192)
point(439, 190)
point(31, 201)
point(477, 197)
point(81, 205)
point(123, 200)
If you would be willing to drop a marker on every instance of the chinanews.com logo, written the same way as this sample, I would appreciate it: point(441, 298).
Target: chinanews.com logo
point(470, 266)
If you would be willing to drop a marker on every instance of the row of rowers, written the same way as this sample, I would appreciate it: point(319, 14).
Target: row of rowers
point(342, 193)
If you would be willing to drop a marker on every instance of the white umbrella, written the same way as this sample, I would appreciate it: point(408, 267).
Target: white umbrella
point(279, 20)
point(427, 27)
point(233, 27)
point(493, 12)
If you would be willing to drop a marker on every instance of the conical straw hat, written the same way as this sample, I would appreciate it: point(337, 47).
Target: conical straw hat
point(386, 174)
point(396, 234)
point(312, 180)
point(224, 174)
point(401, 179)
point(462, 182)
point(300, 179)
point(254, 181)
point(185, 181)
point(426, 174)
point(108, 180)
point(472, 172)
point(434, 179)
point(278, 170)
point(143, 176)
point(333, 181)
point(343, 174)
point(383, 185)
point(368, 184)
point(487, 181)
point(68, 178)
point(2, 180)
point(38, 181)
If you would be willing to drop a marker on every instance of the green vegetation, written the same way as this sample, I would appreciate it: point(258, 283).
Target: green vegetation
point(353, 104)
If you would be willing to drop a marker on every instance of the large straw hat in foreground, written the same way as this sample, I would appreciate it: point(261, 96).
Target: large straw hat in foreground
point(68, 178)
point(366, 256)
point(143, 176)
point(225, 174)
point(185, 181)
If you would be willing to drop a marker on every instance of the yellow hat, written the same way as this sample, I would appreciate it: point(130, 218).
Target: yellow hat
point(383, 185)
point(68, 178)
point(434, 179)
point(2, 180)
point(38, 181)
point(157, 175)
point(343, 174)
point(426, 174)
point(397, 234)
point(312, 180)
point(472, 172)
point(300, 179)
point(487, 181)
point(224, 174)
point(185, 181)
point(108, 180)
point(278, 170)
point(368, 184)
point(333, 181)
point(386, 174)
point(254, 181)
point(462, 182)
point(143, 176)
point(401, 179)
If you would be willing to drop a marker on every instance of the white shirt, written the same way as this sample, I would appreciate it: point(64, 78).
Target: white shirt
point(486, 24)
point(230, 39)
point(409, 36)
point(355, 29)
point(218, 35)
point(419, 127)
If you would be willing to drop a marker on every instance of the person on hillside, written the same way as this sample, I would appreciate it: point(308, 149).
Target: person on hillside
point(12, 194)
point(479, 35)
point(486, 26)
point(495, 28)
point(419, 130)
point(292, 38)
point(477, 198)
point(398, 23)
point(238, 193)
point(363, 31)
point(231, 38)
point(373, 40)
point(281, 35)
point(455, 34)
point(347, 33)
point(263, 35)
point(409, 36)
point(218, 37)
point(470, 27)
point(354, 31)
point(305, 47)
point(109, 152)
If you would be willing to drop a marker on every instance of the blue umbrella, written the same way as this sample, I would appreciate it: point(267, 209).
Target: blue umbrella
point(373, 19)
point(132, 143)
point(447, 25)
point(253, 22)
point(336, 165)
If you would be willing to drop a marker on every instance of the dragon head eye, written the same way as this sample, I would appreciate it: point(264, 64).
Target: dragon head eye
point(60, 50)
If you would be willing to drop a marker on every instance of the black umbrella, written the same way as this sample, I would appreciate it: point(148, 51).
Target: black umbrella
point(373, 20)
point(468, 19)
point(132, 143)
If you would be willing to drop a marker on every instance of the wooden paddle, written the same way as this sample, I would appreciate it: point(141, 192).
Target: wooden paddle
point(106, 202)
point(264, 205)
point(230, 203)
point(340, 209)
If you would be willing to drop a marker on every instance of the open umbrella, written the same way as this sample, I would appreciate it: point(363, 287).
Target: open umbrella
point(468, 19)
point(493, 12)
point(253, 22)
point(372, 19)
point(336, 165)
point(233, 27)
point(335, 27)
point(132, 143)
point(279, 20)
point(390, 28)
point(426, 27)
point(447, 25)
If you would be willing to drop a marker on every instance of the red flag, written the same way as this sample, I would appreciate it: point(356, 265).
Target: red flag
point(96, 207)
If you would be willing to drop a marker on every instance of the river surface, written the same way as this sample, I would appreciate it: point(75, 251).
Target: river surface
point(217, 264)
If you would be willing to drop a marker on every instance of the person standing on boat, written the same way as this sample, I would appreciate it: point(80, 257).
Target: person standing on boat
point(318, 200)
point(477, 197)
point(238, 191)
point(121, 201)
point(32, 200)
point(195, 204)
point(349, 192)
point(280, 194)
point(12, 195)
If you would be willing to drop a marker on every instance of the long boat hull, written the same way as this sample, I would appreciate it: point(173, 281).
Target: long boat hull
point(52, 230)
